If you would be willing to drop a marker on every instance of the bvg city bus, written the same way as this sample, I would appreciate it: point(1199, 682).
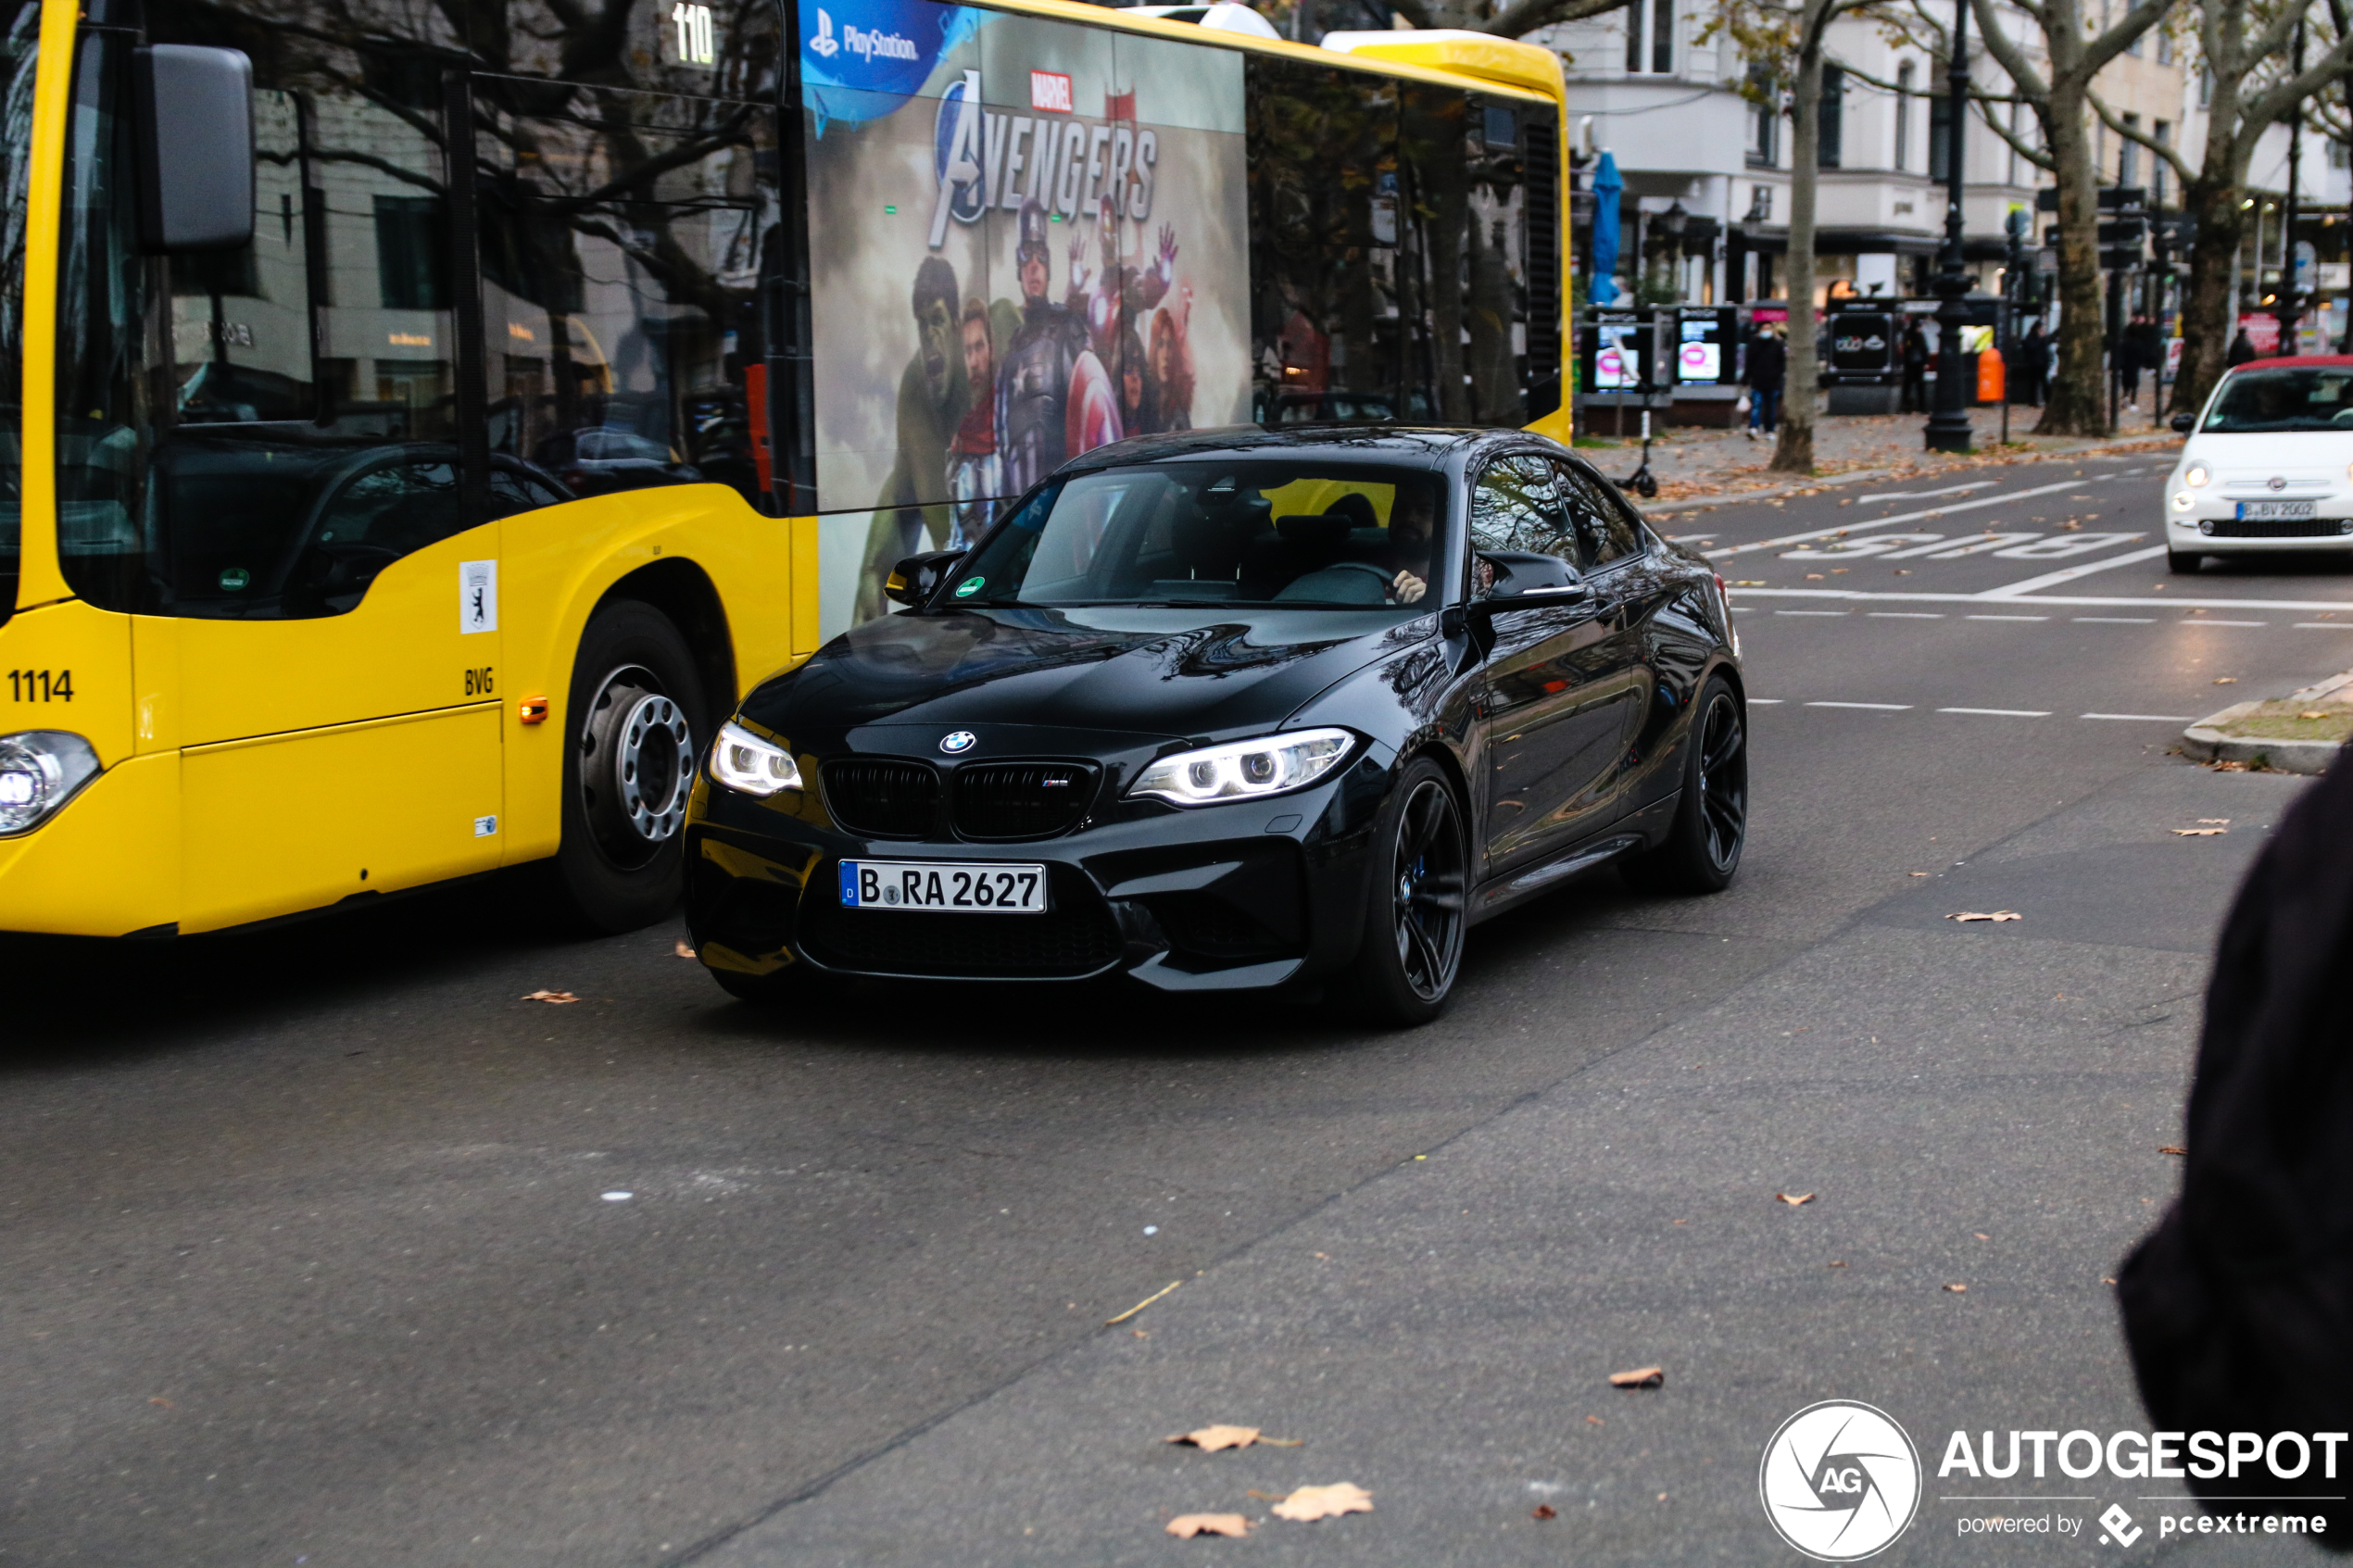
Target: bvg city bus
point(428, 417)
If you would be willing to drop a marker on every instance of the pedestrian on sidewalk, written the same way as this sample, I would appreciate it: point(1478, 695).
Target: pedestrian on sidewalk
point(2128, 362)
point(2035, 362)
point(1914, 352)
point(2242, 349)
point(1767, 365)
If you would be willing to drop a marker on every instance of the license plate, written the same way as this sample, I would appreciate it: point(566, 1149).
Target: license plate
point(972, 887)
point(2274, 512)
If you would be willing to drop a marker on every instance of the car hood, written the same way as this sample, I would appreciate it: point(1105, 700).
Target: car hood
point(1181, 673)
point(2281, 452)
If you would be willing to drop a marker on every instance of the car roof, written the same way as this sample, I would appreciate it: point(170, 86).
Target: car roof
point(1344, 441)
point(2299, 361)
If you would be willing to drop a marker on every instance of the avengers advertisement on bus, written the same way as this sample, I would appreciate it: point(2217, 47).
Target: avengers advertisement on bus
point(1028, 238)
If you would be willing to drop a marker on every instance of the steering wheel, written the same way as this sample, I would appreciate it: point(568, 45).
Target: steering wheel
point(1367, 568)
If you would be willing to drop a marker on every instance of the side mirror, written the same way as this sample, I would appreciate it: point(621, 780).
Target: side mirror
point(2185, 424)
point(194, 115)
point(1522, 578)
point(914, 580)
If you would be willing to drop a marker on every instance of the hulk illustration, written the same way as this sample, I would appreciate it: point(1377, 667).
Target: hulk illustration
point(911, 513)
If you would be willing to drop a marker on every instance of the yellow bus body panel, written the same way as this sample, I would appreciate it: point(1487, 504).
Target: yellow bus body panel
point(107, 864)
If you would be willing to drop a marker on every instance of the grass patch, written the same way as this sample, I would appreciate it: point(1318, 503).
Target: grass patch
point(2329, 721)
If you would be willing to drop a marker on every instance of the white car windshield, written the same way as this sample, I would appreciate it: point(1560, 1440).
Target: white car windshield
point(2320, 398)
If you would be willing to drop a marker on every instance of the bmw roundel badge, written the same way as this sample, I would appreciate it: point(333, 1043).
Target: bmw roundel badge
point(958, 740)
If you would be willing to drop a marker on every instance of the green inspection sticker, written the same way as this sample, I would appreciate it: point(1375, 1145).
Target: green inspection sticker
point(969, 586)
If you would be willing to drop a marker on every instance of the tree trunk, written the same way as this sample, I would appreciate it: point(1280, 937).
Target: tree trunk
point(2077, 404)
point(1794, 451)
point(2208, 316)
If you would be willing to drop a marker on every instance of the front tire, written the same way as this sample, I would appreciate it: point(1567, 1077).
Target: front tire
point(1703, 846)
point(635, 720)
point(1404, 972)
point(2184, 563)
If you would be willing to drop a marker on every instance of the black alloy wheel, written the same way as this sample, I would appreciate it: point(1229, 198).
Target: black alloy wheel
point(1703, 846)
point(1414, 925)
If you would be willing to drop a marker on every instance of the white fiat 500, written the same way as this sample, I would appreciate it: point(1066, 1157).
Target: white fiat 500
point(2269, 464)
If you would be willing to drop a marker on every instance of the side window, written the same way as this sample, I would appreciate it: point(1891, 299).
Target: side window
point(1513, 508)
point(1610, 532)
point(371, 516)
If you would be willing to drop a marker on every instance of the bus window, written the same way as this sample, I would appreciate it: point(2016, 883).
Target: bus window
point(20, 24)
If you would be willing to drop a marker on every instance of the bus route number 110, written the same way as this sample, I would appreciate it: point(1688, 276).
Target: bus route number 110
point(698, 39)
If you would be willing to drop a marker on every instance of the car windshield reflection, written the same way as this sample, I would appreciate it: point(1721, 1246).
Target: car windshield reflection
point(2284, 400)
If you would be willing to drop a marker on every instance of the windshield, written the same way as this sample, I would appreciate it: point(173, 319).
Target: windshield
point(2320, 398)
point(19, 27)
point(1289, 532)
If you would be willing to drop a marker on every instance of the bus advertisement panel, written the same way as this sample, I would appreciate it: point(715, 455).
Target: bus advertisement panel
point(1027, 238)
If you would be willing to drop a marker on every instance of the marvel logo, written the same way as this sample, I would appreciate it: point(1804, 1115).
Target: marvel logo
point(1050, 90)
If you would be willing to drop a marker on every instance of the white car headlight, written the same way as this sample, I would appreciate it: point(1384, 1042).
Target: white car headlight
point(2197, 474)
point(1245, 770)
point(40, 771)
point(741, 760)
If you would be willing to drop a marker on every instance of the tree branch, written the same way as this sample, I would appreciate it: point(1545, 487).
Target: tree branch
point(2031, 154)
point(2134, 135)
point(2007, 55)
point(1523, 16)
point(2098, 51)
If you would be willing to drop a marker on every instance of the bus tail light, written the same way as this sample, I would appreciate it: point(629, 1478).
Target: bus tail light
point(40, 771)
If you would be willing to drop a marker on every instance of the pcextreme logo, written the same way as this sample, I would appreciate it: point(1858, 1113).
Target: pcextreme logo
point(1839, 1481)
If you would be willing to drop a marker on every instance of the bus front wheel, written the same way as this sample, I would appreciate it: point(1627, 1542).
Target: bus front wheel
point(634, 721)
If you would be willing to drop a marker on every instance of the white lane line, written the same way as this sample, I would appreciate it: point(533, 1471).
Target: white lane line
point(2002, 713)
point(1929, 495)
point(1876, 707)
point(1996, 617)
point(2151, 718)
point(2116, 620)
point(2211, 623)
point(2065, 600)
point(1767, 701)
point(1904, 614)
point(1878, 522)
point(1812, 612)
point(2324, 625)
point(2069, 574)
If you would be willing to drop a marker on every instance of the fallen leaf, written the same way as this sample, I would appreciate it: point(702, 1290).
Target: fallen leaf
point(2171, 1149)
point(1595, 1421)
point(1114, 1323)
point(1997, 915)
point(1916, 874)
point(1750, 582)
point(1209, 1439)
point(1980, 1235)
point(1185, 1526)
point(2222, 819)
point(159, 1399)
point(2226, 680)
point(1794, 1198)
point(2106, 1280)
point(2198, 832)
point(556, 997)
point(1838, 1262)
point(682, 950)
point(1902, 572)
point(1958, 1289)
point(1641, 1377)
point(1311, 1503)
point(1544, 1509)
point(2311, 716)
point(1814, 577)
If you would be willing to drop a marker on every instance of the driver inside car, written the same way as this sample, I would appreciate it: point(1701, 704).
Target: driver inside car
point(1411, 521)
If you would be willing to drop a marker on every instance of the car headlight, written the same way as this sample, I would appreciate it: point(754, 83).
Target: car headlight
point(2196, 474)
point(741, 760)
point(1245, 770)
point(40, 771)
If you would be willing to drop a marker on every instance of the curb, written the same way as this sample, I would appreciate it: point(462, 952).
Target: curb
point(1864, 476)
point(2205, 742)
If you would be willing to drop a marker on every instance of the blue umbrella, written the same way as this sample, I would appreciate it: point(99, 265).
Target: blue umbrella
point(1603, 288)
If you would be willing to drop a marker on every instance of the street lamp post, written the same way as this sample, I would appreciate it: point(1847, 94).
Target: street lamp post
point(1948, 427)
point(2291, 294)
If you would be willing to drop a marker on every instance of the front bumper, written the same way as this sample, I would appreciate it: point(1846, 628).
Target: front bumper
point(1236, 897)
point(2212, 527)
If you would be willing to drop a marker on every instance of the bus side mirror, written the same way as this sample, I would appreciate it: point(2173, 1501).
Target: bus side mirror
point(194, 110)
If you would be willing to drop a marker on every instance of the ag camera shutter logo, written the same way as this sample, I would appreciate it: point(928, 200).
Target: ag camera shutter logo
point(1839, 1481)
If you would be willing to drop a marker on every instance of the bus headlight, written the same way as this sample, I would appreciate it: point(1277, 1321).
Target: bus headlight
point(40, 771)
point(741, 760)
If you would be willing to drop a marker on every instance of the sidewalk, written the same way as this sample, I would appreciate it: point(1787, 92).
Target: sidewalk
point(1699, 467)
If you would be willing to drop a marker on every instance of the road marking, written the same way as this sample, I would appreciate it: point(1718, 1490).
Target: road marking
point(1929, 495)
point(1996, 617)
point(2066, 600)
point(1812, 612)
point(2069, 574)
point(2151, 718)
point(1891, 522)
point(1905, 614)
point(2211, 623)
point(2324, 625)
point(2116, 619)
point(1767, 701)
point(2002, 713)
point(1878, 707)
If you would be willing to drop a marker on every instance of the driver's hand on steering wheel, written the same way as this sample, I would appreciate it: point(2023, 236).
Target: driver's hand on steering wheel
point(1405, 589)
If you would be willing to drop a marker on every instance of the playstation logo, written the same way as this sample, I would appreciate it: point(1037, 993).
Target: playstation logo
point(824, 45)
point(2121, 1529)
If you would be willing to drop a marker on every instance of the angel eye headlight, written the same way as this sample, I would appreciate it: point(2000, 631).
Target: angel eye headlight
point(741, 760)
point(2197, 474)
point(40, 771)
point(1245, 770)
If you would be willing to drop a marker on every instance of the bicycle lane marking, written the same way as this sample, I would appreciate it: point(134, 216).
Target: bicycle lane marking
point(1907, 516)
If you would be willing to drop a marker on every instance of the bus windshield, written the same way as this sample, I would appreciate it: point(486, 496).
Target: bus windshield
point(1292, 534)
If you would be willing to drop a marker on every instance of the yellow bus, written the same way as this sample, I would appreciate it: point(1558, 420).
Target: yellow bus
point(427, 420)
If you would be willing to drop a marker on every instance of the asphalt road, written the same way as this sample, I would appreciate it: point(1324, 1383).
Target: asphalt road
point(312, 1246)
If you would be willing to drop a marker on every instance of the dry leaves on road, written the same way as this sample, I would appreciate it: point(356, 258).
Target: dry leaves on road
point(1641, 1377)
point(1794, 1198)
point(2214, 822)
point(556, 997)
point(2198, 832)
point(2226, 680)
point(1546, 1511)
point(1209, 1439)
point(1310, 1503)
point(1958, 1289)
point(2171, 1149)
point(682, 950)
point(1966, 915)
point(1185, 1526)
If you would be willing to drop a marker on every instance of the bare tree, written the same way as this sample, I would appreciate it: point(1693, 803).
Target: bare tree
point(2060, 99)
point(1508, 18)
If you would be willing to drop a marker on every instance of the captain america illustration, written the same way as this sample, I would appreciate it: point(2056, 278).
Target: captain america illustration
point(1033, 381)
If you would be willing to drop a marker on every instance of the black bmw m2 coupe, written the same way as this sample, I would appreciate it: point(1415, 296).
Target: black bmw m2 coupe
point(1230, 710)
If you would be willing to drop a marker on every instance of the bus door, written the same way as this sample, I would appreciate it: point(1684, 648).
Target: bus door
point(261, 459)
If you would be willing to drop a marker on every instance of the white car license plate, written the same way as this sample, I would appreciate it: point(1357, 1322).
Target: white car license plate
point(972, 887)
point(2274, 512)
